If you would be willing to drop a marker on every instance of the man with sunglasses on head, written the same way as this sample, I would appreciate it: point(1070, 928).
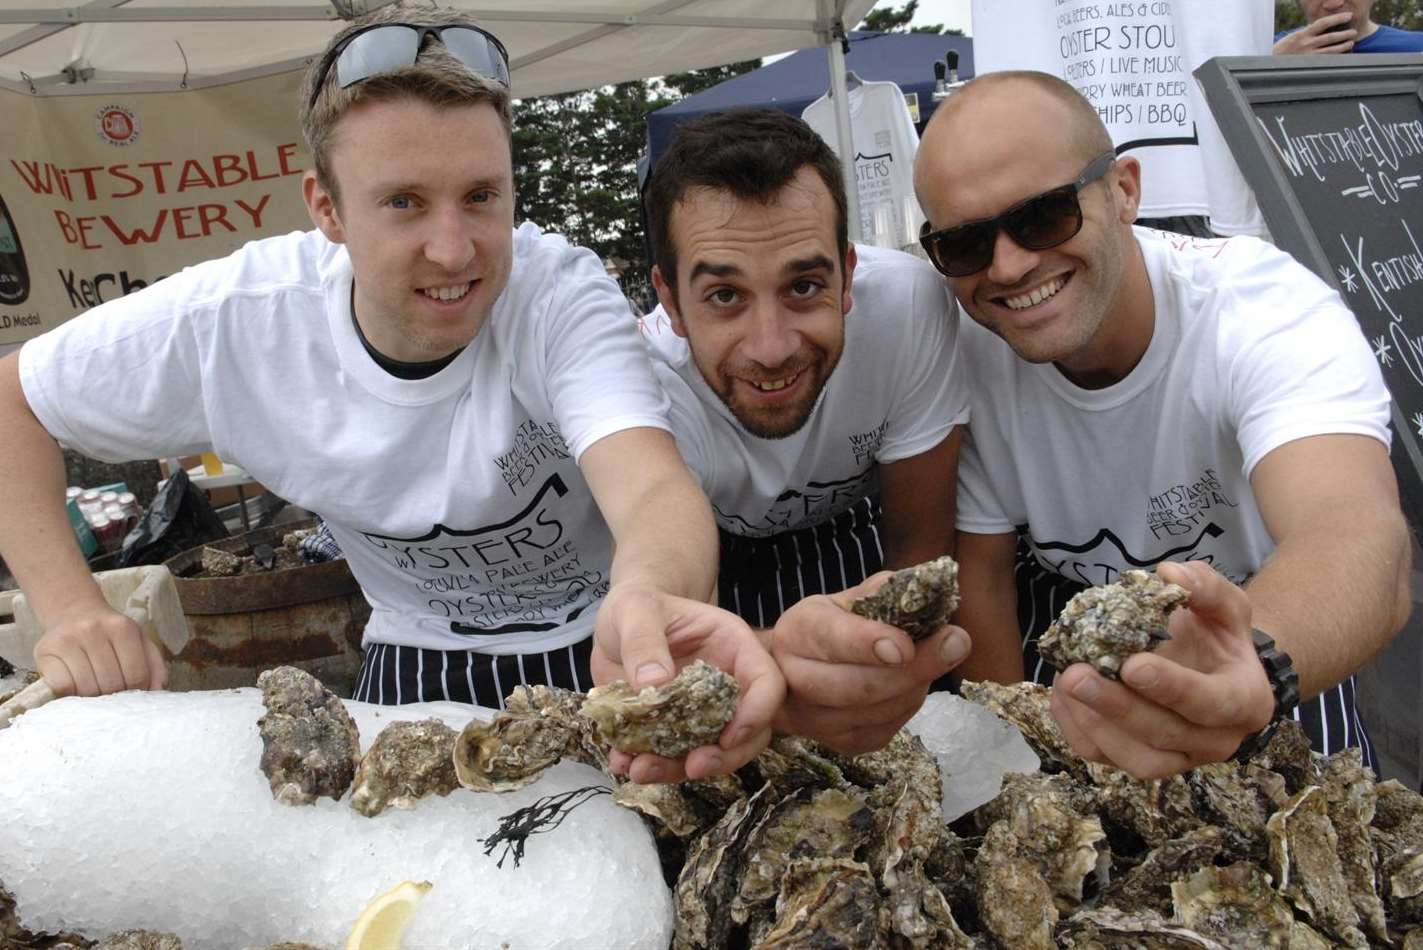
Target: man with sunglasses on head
point(467, 405)
point(816, 393)
point(1141, 398)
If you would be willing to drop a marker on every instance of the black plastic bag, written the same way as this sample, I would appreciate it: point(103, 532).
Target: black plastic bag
point(179, 518)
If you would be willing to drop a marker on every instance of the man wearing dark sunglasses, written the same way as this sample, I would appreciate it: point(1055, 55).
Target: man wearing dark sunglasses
point(1141, 399)
point(466, 404)
point(817, 396)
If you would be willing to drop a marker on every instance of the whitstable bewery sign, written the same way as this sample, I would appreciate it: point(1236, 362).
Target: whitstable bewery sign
point(101, 196)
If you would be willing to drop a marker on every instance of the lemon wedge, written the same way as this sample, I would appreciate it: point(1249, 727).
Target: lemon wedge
point(384, 920)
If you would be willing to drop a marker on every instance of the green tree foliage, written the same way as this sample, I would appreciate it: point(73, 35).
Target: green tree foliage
point(1404, 14)
point(575, 164)
point(889, 19)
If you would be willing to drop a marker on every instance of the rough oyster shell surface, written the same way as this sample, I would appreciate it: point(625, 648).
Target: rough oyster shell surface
point(510, 751)
point(407, 761)
point(310, 745)
point(669, 720)
point(918, 600)
point(1102, 626)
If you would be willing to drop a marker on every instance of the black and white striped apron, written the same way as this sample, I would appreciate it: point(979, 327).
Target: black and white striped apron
point(1330, 719)
point(762, 577)
point(394, 675)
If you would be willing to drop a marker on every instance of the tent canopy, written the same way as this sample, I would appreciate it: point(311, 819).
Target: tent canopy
point(54, 47)
point(792, 83)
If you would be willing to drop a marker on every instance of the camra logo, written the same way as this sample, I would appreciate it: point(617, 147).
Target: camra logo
point(116, 125)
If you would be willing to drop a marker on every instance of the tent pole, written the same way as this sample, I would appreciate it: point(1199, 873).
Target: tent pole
point(840, 99)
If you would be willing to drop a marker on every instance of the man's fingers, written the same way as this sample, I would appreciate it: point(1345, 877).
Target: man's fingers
point(649, 769)
point(108, 668)
point(646, 660)
point(762, 695)
point(54, 671)
point(1213, 596)
point(827, 722)
point(157, 669)
point(1236, 697)
point(709, 761)
point(822, 628)
point(1115, 745)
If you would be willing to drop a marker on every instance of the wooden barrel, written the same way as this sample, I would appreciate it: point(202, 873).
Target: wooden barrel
point(310, 617)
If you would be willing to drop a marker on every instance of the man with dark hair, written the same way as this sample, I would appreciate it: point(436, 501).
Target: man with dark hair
point(1144, 398)
point(1345, 26)
point(816, 393)
point(476, 434)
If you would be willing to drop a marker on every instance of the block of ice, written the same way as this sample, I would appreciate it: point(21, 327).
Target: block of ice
point(149, 810)
point(974, 747)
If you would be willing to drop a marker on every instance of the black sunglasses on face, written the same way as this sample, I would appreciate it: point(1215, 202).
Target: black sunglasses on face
point(1036, 223)
point(386, 47)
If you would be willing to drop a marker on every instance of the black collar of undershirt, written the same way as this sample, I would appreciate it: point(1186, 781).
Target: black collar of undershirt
point(399, 368)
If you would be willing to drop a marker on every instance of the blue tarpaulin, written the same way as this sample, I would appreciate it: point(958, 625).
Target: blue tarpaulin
point(792, 83)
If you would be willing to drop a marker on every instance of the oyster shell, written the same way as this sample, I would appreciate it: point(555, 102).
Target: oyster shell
point(704, 889)
point(825, 903)
point(310, 745)
point(408, 761)
point(1234, 904)
point(1349, 789)
point(1025, 705)
point(1102, 626)
point(139, 940)
point(220, 563)
point(1147, 886)
point(1287, 753)
point(1107, 928)
point(918, 600)
point(828, 823)
point(1304, 860)
point(1015, 904)
point(510, 751)
point(683, 809)
point(669, 720)
point(791, 762)
point(562, 705)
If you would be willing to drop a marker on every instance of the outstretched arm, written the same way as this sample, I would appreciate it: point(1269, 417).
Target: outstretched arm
point(87, 647)
point(1333, 595)
point(655, 618)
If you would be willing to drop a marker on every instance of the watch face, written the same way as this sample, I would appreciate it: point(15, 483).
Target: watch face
point(14, 275)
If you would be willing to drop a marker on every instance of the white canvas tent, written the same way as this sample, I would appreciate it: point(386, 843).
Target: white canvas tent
point(53, 47)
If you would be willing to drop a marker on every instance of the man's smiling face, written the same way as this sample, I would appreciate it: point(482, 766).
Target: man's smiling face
point(1054, 305)
point(426, 212)
point(761, 297)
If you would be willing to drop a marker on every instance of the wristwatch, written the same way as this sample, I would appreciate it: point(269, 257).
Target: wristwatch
point(1284, 683)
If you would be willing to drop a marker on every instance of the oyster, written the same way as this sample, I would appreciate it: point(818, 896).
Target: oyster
point(1015, 904)
point(1147, 886)
point(825, 903)
point(562, 705)
point(828, 823)
point(310, 746)
point(918, 600)
point(408, 761)
point(1110, 929)
point(790, 762)
point(683, 809)
point(1102, 626)
point(1287, 753)
point(220, 563)
point(1235, 905)
point(139, 940)
point(511, 750)
point(1304, 860)
point(1349, 789)
point(1025, 705)
point(911, 833)
point(669, 720)
point(1156, 810)
point(704, 889)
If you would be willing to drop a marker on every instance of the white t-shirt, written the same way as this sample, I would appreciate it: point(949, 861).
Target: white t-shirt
point(885, 143)
point(1133, 62)
point(897, 392)
point(456, 498)
point(1251, 350)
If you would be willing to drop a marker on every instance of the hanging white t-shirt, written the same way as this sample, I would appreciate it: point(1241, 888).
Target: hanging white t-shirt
point(885, 142)
point(897, 391)
point(456, 498)
point(1133, 62)
point(1250, 350)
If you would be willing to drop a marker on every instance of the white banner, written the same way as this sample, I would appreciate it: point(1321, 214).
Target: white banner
point(101, 196)
point(1133, 62)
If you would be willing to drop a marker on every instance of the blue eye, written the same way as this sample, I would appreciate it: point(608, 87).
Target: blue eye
point(401, 202)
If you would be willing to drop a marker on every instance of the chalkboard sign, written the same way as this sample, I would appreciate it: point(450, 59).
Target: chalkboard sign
point(1333, 147)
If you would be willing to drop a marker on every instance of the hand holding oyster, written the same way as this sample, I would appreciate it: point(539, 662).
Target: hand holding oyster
point(1102, 626)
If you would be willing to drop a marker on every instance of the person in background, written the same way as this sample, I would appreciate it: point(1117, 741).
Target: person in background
point(816, 393)
point(1345, 26)
point(466, 405)
point(1143, 399)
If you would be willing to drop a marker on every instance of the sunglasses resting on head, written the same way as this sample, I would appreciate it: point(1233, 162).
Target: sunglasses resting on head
point(386, 47)
point(1037, 223)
